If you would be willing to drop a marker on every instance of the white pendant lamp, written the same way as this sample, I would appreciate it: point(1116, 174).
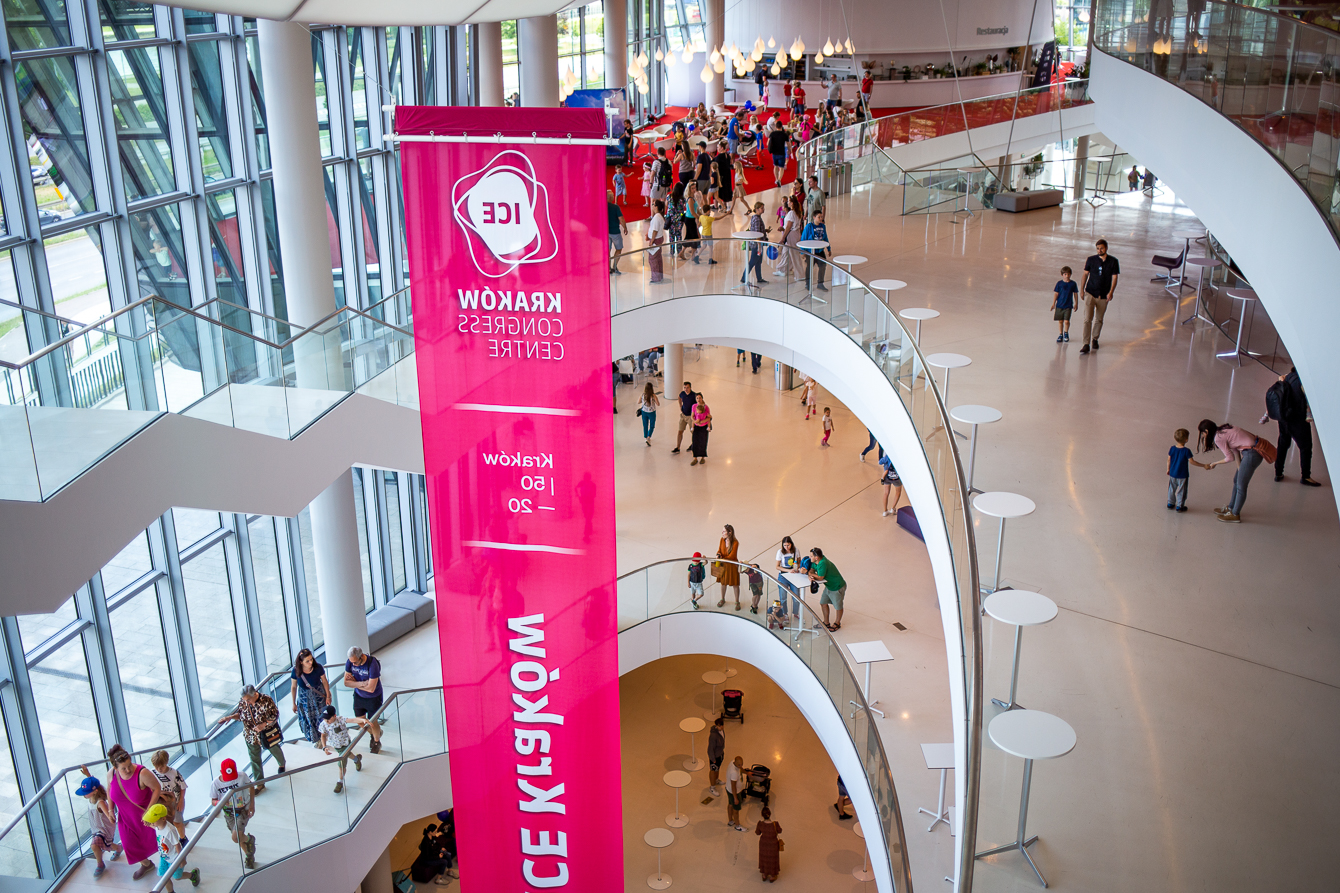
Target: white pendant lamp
point(688, 54)
point(771, 43)
point(775, 70)
point(756, 55)
point(818, 58)
point(850, 49)
point(715, 57)
point(670, 60)
point(828, 47)
point(706, 74)
point(642, 59)
point(659, 56)
point(719, 66)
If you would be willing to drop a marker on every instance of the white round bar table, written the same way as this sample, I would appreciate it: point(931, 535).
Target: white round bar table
point(713, 678)
point(1246, 296)
point(677, 778)
point(659, 838)
point(939, 756)
point(972, 414)
point(1201, 264)
point(747, 236)
point(801, 582)
point(869, 653)
point(947, 361)
point(917, 315)
point(862, 874)
point(693, 725)
point(1022, 609)
point(848, 261)
point(811, 245)
point(1002, 505)
point(1030, 735)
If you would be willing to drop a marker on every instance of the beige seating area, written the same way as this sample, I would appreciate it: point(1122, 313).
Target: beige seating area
point(1028, 201)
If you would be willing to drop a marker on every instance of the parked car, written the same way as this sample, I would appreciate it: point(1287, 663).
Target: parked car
point(39, 174)
point(47, 218)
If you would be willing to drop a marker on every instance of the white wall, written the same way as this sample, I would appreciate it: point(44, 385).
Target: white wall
point(893, 26)
point(684, 85)
point(1254, 207)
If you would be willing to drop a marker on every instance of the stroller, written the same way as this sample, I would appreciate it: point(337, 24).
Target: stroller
point(732, 704)
point(760, 783)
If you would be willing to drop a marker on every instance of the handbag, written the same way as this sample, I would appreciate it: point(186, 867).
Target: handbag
point(1266, 449)
point(772, 253)
point(271, 736)
point(718, 569)
point(781, 845)
point(639, 412)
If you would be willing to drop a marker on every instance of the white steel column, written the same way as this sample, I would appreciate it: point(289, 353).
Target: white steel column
point(673, 364)
point(716, 34)
point(537, 45)
point(616, 43)
point(489, 35)
point(309, 291)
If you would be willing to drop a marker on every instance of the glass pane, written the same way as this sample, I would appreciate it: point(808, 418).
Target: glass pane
point(49, 98)
point(363, 520)
point(368, 205)
point(225, 246)
point(309, 576)
point(569, 32)
point(194, 525)
point(273, 262)
point(199, 22)
point(509, 41)
point(128, 566)
point(269, 593)
point(78, 278)
point(141, 121)
point(211, 119)
point(397, 544)
point(34, 24)
point(13, 335)
point(34, 629)
point(594, 36)
point(333, 228)
point(65, 707)
point(322, 101)
point(258, 102)
point(210, 608)
point(141, 659)
point(160, 259)
point(358, 97)
point(16, 854)
point(126, 20)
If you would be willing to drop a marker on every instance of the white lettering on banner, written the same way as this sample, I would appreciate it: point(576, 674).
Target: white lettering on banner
point(514, 317)
point(516, 460)
point(529, 676)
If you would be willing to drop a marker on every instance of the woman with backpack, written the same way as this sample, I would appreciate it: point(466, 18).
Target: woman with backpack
point(1241, 446)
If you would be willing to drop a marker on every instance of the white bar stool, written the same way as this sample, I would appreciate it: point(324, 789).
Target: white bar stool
point(693, 725)
point(848, 261)
point(713, 678)
point(1201, 264)
point(939, 756)
point(1246, 296)
point(811, 245)
point(660, 838)
point(1022, 609)
point(869, 653)
point(973, 414)
point(1002, 505)
point(862, 874)
point(1030, 735)
point(947, 362)
point(748, 236)
point(677, 778)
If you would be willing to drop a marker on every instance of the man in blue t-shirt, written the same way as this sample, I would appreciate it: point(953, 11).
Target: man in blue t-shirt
point(687, 400)
point(733, 133)
point(363, 674)
point(815, 230)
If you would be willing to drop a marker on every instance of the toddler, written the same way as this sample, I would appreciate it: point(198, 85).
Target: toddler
point(828, 425)
point(620, 187)
point(169, 845)
point(1063, 303)
point(1178, 457)
point(646, 180)
point(777, 615)
point(697, 573)
point(101, 822)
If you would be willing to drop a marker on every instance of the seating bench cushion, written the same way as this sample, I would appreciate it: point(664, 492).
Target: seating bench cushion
point(421, 606)
point(1027, 201)
point(386, 624)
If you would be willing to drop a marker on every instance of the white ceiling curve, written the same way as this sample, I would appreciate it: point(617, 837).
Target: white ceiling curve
point(386, 12)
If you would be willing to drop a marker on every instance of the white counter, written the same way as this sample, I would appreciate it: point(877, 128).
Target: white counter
point(892, 94)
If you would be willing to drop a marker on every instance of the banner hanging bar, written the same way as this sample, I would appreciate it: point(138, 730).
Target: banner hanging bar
point(499, 139)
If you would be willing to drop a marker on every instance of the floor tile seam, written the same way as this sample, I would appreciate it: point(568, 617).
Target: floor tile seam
point(823, 514)
point(1198, 647)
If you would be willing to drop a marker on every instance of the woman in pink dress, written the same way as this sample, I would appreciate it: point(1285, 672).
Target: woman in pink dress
point(133, 789)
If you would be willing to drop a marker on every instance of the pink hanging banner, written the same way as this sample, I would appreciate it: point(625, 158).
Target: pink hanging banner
point(507, 261)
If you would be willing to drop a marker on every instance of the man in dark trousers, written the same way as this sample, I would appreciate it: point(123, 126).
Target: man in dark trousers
point(687, 400)
point(1294, 426)
point(716, 752)
point(1101, 272)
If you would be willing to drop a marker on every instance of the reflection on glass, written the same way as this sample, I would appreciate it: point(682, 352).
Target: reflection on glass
point(199, 22)
point(211, 119)
point(36, 24)
point(322, 101)
point(146, 684)
point(397, 544)
point(569, 32)
point(159, 258)
point(13, 335)
point(225, 246)
point(593, 36)
point(360, 512)
point(358, 97)
point(193, 525)
point(257, 104)
point(213, 636)
point(141, 121)
point(65, 707)
point(79, 280)
point(52, 114)
point(333, 228)
point(126, 20)
point(309, 577)
point(16, 854)
point(129, 565)
point(269, 593)
point(368, 206)
point(34, 629)
point(274, 262)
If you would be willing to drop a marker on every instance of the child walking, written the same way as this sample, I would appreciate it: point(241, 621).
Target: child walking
point(828, 426)
point(709, 213)
point(169, 845)
point(239, 808)
point(101, 822)
point(1178, 457)
point(808, 398)
point(646, 181)
point(620, 187)
point(697, 574)
point(335, 738)
point(1063, 303)
point(171, 782)
point(755, 586)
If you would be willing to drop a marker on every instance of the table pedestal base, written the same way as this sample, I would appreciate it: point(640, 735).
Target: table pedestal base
point(694, 765)
point(658, 881)
point(941, 814)
point(1021, 847)
point(676, 820)
point(1020, 842)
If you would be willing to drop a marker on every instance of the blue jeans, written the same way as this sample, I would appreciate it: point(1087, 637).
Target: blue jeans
point(1177, 492)
point(1246, 468)
point(648, 424)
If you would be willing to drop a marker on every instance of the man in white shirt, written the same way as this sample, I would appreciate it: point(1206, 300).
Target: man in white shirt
point(737, 778)
point(834, 91)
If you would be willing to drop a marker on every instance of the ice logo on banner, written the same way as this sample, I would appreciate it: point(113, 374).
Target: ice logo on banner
point(506, 211)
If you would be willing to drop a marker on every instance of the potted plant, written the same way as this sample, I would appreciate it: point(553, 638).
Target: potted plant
point(907, 73)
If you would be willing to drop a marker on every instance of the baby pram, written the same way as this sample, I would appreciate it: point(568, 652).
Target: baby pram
point(760, 783)
point(732, 704)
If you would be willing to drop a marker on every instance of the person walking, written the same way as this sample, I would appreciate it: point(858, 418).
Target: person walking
point(260, 729)
point(828, 425)
point(363, 673)
point(789, 267)
point(1238, 445)
point(692, 210)
point(807, 397)
point(687, 400)
point(1292, 416)
point(716, 753)
point(814, 198)
point(835, 588)
point(1099, 285)
point(618, 229)
point(737, 778)
point(777, 141)
point(335, 739)
point(231, 788)
point(674, 218)
point(1133, 178)
point(684, 162)
point(873, 445)
point(647, 410)
point(132, 789)
point(661, 176)
point(816, 230)
point(890, 480)
point(702, 169)
point(309, 694)
point(728, 574)
point(755, 262)
point(834, 92)
point(769, 846)
point(173, 786)
point(702, 426)
point(655, 238)
point(101, 822)
point(741, 183)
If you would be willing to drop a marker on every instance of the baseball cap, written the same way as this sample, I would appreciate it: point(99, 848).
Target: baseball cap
point(697, 554)
point(329, 711)
point(155, 813)
point(228, 770)
point(88, 786)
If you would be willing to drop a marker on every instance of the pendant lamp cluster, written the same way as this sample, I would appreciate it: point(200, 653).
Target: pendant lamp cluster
point(637, 70)
point(568, 83)
point(714, 63)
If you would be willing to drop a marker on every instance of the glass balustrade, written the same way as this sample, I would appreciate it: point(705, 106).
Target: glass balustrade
point(70, 404)
point(1275, 77)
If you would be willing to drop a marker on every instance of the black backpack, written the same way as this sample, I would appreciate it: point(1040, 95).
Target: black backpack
point(1278, 399)
point(663, 173)
point(697, 573)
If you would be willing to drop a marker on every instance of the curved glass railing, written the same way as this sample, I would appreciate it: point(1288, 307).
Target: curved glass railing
point(859, 312)
point(660, 589)
point(219, 362)
point(1275, 77)
point(870, 138)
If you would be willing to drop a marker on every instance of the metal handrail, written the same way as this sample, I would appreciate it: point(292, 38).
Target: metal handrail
point(180, 862)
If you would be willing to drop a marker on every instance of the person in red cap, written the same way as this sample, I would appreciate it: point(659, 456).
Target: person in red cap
point(697, 574)
point(233, 787)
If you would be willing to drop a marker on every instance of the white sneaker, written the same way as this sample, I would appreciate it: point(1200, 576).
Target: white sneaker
point(886, 514)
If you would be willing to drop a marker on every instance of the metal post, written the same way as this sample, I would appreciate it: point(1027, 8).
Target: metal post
point(1000, 545)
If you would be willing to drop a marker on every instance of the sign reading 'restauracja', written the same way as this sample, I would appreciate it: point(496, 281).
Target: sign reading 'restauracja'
point(507, 259)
